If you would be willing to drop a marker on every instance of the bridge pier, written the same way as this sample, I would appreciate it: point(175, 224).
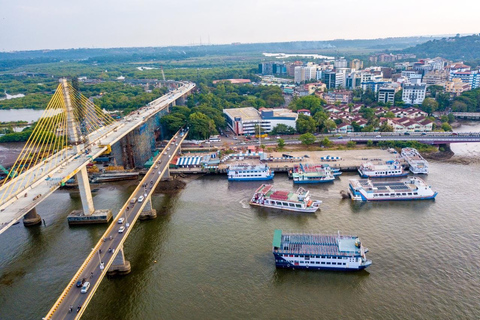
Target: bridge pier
point(120, 266)
point(181, 101)
point(148, 212)
point(167, 176)
point(32, 218)
point(88, 215)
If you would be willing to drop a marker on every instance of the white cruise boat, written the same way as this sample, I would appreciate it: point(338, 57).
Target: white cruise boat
point(416, 162)
point(247, 172)
point(298, 201)
point(319, 252)
point(411, 189)
point(389, 169)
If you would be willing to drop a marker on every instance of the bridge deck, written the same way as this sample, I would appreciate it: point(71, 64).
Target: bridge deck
point(90, 269)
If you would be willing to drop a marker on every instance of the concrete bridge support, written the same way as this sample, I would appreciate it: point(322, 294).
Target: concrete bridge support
point(148, 212)
point(32, 218)
point(120, 266)
point(167, 176)
point(181, 101)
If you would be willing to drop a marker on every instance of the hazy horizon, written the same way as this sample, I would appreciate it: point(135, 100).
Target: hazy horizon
point(53, 24)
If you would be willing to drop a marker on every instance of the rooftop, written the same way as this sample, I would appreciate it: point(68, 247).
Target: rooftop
point(246, 114)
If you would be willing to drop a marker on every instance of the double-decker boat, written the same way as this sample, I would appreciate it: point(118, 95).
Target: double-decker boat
point(247, 172)
point(389, 169)
point(416, 162)
point(312, 174)
point(411, 189)
point(319, 252)
point(266, 196)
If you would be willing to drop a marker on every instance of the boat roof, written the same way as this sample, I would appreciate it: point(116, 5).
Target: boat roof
point(316, 244)
point(282, 195)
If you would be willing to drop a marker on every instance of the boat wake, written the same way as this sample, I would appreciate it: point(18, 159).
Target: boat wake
point(244, 203)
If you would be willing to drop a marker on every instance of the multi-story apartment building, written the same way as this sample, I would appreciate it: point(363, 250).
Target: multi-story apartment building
point(414, 93)
point(456, 87)
point(356, 64)
point(386, 94)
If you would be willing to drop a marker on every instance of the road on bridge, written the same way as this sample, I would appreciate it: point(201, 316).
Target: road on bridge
point(97, 263)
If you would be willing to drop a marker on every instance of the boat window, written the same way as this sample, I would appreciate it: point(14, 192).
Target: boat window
point(292, 205)
point(285, 204)
point(409, 193)
point(334, 263)
point(298, 205)
point(404, 194)
point(415, 193)
point(318, 262)
point(329, 263)
point(323, 262)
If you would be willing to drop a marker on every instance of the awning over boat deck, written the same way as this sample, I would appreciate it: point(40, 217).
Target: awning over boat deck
point(188, 161)
point(277, 238)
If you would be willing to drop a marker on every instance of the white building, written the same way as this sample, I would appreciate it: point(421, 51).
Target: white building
point(244, 120)
point(414, 93)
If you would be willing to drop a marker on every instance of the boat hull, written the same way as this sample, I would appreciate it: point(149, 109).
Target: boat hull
point(306, 210)
point(361, 197)
point(270, 177)
point(284, 264)
point(313, 181)
point(363, 175)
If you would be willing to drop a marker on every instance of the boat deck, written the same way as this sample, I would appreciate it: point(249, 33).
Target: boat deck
point(313, 244)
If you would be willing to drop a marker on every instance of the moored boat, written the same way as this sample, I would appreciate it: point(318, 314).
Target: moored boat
point(319, 252)
point(299, 201)
point(411, 189)
point(246, 172)
point(389, 169)
point(312, 174)
point(417, 164)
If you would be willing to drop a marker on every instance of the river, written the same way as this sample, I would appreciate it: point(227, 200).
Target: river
point(208, 255)
point(20, 115)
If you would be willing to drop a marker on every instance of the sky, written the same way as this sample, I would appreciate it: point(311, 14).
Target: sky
point(55, 24)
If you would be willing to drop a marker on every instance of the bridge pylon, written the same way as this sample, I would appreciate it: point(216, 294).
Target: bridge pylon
point(120, 265)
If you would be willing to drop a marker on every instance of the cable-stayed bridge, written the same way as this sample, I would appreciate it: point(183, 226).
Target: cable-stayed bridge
point(71, 132)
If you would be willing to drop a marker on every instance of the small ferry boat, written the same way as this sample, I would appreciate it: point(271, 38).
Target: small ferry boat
point(298, 201)
point(389, 169)
point(319, 252)
point(417, 164)
point(247, 172)
point(312, 174)
point(411, 189)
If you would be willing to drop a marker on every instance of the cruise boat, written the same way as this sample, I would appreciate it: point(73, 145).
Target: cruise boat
point(411, 189)
point(389, 169)
point(319, 252)
point(246, 172)
point(298, 201)
point(312, 174)
point(416, 162)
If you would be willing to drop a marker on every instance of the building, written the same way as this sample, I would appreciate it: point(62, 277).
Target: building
point(340, 63)
point(469, 77)
point(435, 77)
point(272, 68)
point(306, 73)
point(414, 93)
point(456, 87)
point(342, 96)
point(356, 64)
point(245, 120)
point(386, 94)
point(299, 74)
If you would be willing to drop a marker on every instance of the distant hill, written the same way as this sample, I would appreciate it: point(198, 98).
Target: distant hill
point(454, 48)
point(15, 59)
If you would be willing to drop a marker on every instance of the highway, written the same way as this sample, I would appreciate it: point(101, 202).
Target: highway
point(27, 194)
point(91, 269)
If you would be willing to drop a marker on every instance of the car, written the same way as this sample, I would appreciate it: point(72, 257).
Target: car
point(306, 156)
point(85, 287)
point(80, 283)
point(243, 142)
point(102, 266)
point(267, 138)
point(140, 199)
point(278, 137)
point(156, 167)
point(133, 200)
point(424, 133)
point(122, 228)
point(235, 138)
point(406, 133)
point(120, 221)
point(378, 136)
point(168, 149)
point(340, 137)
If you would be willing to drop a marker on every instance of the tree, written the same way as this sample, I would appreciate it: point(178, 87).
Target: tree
point(451, 118)
point(281, 143)
point(446, 127)
point(283, 129)
point(201, 126)
point(429, 105)
point(369, 143)
point(330, 125)
point(326, 142)
point(385, 127)
point(356, 127)
point(307, 139)
point(305, 124)
point(390, 115)
point(351, 144)
point(173, 122)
